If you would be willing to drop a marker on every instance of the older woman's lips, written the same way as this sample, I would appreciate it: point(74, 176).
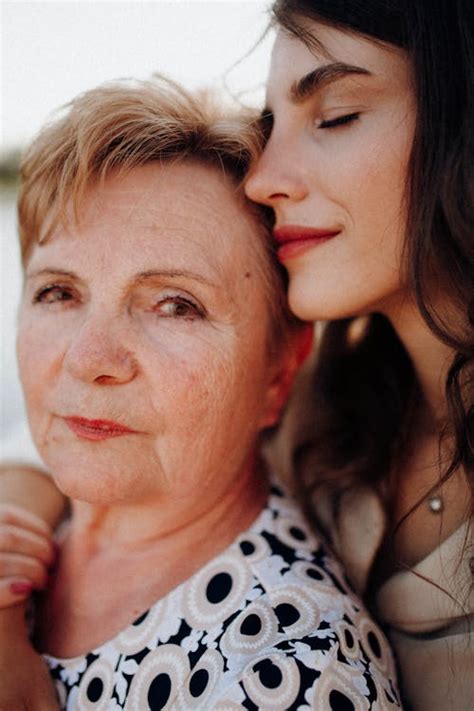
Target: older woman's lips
point(294, 240)
point(96, 430)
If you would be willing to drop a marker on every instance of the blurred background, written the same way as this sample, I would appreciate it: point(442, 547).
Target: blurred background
point(52, 51)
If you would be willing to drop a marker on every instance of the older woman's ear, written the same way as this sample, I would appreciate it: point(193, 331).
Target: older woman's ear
point(291, 357)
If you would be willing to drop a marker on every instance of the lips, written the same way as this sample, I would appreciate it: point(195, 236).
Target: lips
point(294, 240)
point(96, 430)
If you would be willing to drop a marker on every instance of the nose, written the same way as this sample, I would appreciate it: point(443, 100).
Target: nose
point(276, 177)
point(97, 355)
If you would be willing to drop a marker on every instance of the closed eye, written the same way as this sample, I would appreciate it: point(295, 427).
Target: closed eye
point(339, 121)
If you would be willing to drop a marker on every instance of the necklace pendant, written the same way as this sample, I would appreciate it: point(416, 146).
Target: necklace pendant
point(435, 504)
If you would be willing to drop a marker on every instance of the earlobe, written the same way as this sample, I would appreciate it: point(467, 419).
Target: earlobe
point(294, 354)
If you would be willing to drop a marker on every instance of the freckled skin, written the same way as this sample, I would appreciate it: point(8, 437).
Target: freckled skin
point(350, 178)
point(195, 389)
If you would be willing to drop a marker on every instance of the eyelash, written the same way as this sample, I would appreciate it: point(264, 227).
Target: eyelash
point(193, 310)
point(197, 312)
point(339, 121)
point(41, 296)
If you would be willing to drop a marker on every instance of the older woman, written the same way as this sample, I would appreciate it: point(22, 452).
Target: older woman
point(153, 353)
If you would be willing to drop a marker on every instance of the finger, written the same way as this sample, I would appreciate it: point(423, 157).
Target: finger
point(18, 516)
point(15, 539)
point(22, 566)
point(13, 590)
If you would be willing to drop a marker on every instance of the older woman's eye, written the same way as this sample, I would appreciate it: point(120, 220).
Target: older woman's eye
point(52, 294)
point(179, 307)
point(339, 121)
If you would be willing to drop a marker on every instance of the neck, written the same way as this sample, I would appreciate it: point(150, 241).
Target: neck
point(170, 521)
point(153, 546)
point(430, 357)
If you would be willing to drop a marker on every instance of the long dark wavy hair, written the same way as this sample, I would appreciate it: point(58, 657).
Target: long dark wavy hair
point(366, 388)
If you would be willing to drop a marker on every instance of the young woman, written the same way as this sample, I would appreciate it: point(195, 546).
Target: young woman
point(368, 168)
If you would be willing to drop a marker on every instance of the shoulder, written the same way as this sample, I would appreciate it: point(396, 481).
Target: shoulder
point(268, 623)
point(355, 523)
point(307, 679)
point(305, 640)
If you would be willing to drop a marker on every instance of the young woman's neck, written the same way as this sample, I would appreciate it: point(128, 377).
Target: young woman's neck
point(431, 360)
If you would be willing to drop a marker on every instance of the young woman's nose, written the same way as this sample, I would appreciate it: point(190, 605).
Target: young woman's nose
point(97, 354)
point(276, 177)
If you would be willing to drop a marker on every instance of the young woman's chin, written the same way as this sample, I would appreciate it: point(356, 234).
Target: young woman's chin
point(311, 301)
point(327, 295)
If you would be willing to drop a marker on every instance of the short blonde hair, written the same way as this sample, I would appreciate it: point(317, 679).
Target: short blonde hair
point(122, 125)
point(127, 124)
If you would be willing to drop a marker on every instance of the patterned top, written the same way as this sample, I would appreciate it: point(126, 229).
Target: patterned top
point(270, 623)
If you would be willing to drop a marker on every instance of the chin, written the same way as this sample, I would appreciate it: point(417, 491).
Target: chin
point(92, 485)
point(329, 298)
point(309, 304)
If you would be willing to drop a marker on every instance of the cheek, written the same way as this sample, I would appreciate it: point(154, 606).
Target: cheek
point(372, 197)
point(385, 168)
point(208, 385)
point(38, 354)
point(31, 357)
point(191, 386)
point(37, 349)
point(34, 382)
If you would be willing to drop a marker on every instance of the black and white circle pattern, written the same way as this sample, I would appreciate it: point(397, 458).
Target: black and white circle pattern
point(201, 682)
point(294, 532)
point(216, 591)
point(273, 682)
point(96, 687)
point(339, 688)
point(253, 630)
point(158, 680)
point(142, 631)
point(253, 547)
point(296, 610)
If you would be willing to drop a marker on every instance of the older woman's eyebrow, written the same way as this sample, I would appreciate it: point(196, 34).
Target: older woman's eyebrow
point(304, 88)
point(50, 271)
point(174, 274)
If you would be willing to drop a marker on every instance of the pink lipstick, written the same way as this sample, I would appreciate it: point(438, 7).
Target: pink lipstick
point(294, 240)
point(96, 430)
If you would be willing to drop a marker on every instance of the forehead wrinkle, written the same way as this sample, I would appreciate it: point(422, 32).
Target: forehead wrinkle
point(304, 88)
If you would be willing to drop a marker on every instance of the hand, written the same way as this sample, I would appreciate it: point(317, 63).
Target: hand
point(25, 681)
point(26, 552)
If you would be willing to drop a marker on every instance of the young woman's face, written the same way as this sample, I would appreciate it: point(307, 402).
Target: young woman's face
point(335, 171)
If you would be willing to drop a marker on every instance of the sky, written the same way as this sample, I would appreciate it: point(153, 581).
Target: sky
point(52, 51)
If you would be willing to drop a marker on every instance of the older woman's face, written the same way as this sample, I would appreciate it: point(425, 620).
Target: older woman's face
point(142, 338)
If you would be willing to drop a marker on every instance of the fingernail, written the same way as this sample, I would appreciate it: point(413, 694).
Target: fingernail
point(21, 588)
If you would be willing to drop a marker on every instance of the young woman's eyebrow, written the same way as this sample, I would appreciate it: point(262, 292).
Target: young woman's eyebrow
point(304, 88)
